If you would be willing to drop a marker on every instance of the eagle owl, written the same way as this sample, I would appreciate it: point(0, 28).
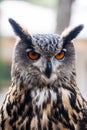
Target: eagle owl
point(44, 94)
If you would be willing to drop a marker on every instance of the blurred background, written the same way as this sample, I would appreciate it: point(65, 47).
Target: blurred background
point(42, 16)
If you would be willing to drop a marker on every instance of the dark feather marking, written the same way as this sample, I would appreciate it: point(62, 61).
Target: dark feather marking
point(50, 126)
point(83, 122)
point(65, 123)
point(30, 114)
point(15, 115)
point(37, 99)
point(14, 127)
point(49, 97)
point(3, 120)
point(51, 119)
point(59, 99)
point(72, 99)
point(79, 103)
point(14, 118)
point(28, 98)
point(73, 34)
point(21, 108)
point(22, 128)
point(64, 112)
point(72, 127)
point(8, 108)
point(27, 125)
point(56, 114)
point(37, 110)
point(19, 31)
point(20, 122)
point(77, 109)
point(39, 122)
point(69, 88)
point(44, 105)
point(57, 104)
point(44, 128)
point(74, 117)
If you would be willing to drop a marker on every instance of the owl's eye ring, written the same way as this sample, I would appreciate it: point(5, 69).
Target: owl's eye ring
point(60, 55)
point(33, 55)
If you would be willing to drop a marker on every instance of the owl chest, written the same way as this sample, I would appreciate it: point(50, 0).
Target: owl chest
point(52, 111)
point(41, 109)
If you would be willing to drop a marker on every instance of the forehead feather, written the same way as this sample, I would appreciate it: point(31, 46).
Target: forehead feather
point(48, 43)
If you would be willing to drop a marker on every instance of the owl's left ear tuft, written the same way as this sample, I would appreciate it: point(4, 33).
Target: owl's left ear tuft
point(19, 30)
point(71, 33)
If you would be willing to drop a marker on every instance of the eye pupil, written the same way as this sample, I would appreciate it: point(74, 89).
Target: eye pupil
point(33, 55)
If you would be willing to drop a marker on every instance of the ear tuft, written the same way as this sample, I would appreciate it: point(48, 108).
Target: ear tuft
point(71, 33)
point(19, 30)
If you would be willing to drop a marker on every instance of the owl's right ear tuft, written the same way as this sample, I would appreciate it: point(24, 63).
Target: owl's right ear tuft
point(19, 30)
point(71, 33)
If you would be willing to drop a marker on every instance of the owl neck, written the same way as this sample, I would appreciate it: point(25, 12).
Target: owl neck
point(27, 80)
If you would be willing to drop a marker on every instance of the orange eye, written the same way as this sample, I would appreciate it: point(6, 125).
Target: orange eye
point(60, 55)
point(33, 55)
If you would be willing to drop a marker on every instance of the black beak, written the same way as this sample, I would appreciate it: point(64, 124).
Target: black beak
point(48, 70)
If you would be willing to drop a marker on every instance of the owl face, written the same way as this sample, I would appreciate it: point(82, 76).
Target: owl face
point(46, 57)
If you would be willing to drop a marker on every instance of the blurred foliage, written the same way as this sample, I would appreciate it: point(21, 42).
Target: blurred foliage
point(46, 3)
point(5, 70)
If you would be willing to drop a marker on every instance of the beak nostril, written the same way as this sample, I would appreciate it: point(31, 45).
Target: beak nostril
point(48, 70)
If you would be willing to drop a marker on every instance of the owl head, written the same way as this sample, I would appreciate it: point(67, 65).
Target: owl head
point(44, 57)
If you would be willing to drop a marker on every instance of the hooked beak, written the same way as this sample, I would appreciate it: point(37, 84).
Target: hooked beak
point(48, 70)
